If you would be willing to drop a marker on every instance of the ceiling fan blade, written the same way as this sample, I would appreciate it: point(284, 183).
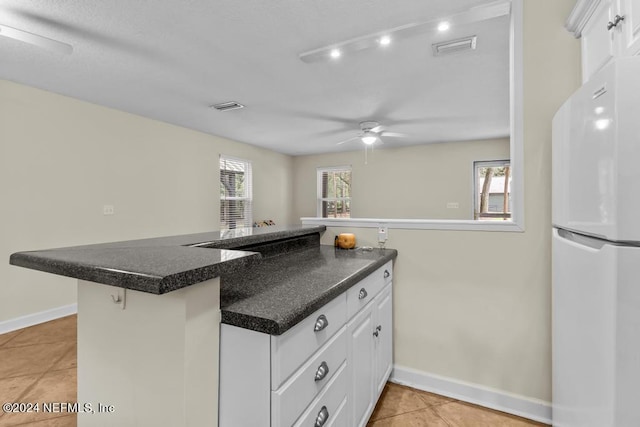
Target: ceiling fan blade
point(394, 134)
point(36, 40)
point(348, 140)
point(377, 129)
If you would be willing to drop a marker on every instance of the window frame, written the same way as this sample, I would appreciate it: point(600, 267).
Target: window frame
point(247, 198)
point(319, 199)
point(477, 164)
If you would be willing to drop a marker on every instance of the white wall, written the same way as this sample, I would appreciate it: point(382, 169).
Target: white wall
point(475, 306)
point(432, 176)
point(62, 159)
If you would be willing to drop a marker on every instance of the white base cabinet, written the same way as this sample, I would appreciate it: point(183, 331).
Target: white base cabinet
point(370, 355)
point(328, 370)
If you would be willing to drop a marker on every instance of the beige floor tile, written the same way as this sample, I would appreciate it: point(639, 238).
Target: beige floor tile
point(459, 414)
point(58, 386)
point(5, 338)
point(397, 399)
point(32, 359)
point(420, 418)
point(67, 421)
point(63, 329)
point(432, 399)
point(69, 360)
point(12, 388)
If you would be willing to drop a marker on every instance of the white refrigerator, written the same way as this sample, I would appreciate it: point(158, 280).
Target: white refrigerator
point(596, 251)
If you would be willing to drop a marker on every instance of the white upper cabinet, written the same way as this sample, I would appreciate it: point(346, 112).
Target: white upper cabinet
point(630, 9)
point(597, 40)
point(607, 28)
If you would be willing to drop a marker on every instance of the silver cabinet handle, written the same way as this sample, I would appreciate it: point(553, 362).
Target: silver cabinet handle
point(379, 328)
point(616, 20)
point(322, 371)
point(363, 294)
point(386, 274)
point(375, 333)
point(322, 417)
point(321, 323)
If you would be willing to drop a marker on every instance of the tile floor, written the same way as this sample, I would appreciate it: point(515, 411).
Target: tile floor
point(38, 364)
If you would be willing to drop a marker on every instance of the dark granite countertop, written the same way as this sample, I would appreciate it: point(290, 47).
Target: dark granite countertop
point(278, 293)
point(271, 277)
point(163, 264)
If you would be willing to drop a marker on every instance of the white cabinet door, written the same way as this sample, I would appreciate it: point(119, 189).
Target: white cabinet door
point(597, 40)
point(384, 340)
point(361, 361)
point(630, 27)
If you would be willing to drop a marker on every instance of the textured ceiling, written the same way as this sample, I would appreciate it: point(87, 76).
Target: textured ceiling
point(170, 60)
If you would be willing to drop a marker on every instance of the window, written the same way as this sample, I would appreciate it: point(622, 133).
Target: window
point(235, 193)
point(492, 183)
point(334, 192)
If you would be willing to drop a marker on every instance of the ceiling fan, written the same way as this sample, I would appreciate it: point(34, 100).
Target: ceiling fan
point(371, 132)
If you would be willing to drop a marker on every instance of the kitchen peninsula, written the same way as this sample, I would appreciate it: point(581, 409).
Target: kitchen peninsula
point(149, 311)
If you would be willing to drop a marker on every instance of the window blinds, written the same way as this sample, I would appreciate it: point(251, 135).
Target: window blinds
point(235, 193)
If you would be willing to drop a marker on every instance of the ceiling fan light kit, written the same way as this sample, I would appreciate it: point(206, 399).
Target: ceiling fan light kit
point(371, 132)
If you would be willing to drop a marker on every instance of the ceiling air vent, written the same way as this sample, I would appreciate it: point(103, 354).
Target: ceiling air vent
point(453, 46)
point(227, 106)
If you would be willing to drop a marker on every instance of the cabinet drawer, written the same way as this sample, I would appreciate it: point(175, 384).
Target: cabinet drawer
point(297, 392)
point(331, 401)
point(291, 349)
point(360, 294)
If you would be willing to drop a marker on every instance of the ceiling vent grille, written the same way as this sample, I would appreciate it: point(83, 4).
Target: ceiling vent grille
point(453, 46)
point(227, 106)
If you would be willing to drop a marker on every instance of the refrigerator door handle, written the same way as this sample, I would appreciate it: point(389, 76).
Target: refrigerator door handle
point(579, 239)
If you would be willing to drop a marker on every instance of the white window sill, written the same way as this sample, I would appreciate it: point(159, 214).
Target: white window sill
point(415, 224)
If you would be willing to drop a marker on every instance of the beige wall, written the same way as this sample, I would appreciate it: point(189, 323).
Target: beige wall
point(432, 176)
point(62, 159)
point(475, 306)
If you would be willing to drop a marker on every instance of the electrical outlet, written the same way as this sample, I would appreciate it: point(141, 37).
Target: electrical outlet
point(108, 210)
point(382, 234)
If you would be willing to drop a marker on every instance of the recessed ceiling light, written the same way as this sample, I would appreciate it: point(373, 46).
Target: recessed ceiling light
point(599, 110)
point(443, 26)
point(335, 53)
point(385, 41)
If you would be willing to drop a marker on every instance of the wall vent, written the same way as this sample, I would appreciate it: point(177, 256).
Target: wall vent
point(227, 106)
point(453, 46)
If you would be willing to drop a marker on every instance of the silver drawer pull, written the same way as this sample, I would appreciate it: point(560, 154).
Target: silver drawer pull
point(322, 371)
point(321, 323)
point(322, 417)
point(363, 294)
point(386, 274)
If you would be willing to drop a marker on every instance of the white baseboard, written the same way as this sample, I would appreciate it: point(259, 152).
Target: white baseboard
point(533, 409)
point(36, 318)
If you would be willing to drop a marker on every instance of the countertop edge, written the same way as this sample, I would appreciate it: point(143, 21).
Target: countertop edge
point(274, 327)
point(153, 284)
point(147, 280)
